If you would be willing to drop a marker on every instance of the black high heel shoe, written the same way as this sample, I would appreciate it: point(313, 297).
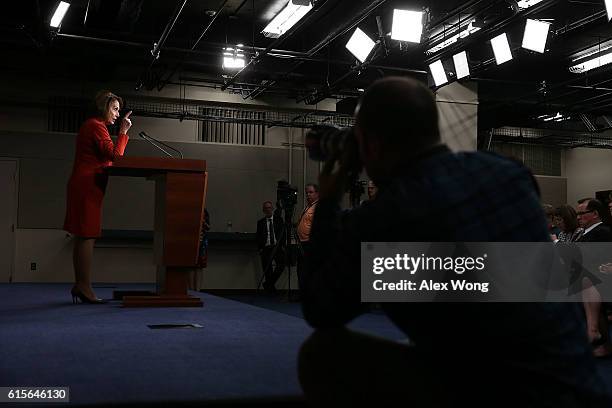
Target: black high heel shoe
point(77, 294)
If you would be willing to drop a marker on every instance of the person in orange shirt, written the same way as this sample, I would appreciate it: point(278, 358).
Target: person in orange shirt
point(303, 228)
point(95, 150)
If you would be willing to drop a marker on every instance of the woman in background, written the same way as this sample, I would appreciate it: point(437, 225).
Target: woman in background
point(566, 219)
point(553, 229)
point(94, 151)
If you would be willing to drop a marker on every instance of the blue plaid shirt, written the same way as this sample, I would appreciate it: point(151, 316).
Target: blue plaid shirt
point(445, 197)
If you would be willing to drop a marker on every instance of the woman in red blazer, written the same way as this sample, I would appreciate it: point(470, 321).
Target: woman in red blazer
point(94, 151)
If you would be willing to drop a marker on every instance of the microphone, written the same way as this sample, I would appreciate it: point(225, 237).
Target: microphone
point(157, 144)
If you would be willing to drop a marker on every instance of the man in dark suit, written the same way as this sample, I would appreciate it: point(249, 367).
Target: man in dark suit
point(269, 233)
point(516, 354)
point(591, 213)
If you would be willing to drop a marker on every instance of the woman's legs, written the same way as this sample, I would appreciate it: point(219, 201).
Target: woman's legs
point(81, 258)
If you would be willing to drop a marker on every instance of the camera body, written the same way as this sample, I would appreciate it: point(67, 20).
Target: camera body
point(325, 142)
point(286, 195)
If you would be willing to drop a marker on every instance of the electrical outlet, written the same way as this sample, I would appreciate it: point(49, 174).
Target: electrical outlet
point(33, 266)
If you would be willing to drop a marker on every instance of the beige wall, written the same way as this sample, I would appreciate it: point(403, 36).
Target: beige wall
point(231, 264)
point(458, 111)
point(587, 171)
point(553, 190)
point(241, 177)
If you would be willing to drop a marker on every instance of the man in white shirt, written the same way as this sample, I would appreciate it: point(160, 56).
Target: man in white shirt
point(269, 233)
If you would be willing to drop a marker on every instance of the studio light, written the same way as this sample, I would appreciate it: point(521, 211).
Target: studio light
point(501, 49)
point(407, 25)
point(360, 45)
point(536, 33)
point(438, 73)
point(233, 58)
point(59, 14)
point(462, 68)
point(286, 19)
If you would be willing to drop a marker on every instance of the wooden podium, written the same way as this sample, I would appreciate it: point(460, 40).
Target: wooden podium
point(180, 197)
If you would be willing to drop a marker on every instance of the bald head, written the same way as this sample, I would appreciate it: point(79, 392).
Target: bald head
point(401, 113)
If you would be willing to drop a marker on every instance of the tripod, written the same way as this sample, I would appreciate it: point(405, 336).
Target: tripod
point(283, 244)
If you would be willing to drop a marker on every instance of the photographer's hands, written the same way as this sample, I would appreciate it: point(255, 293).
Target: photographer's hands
point(334, 176)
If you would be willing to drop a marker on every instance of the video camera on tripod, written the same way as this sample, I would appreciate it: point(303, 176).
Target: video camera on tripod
point(286, 195)
point(325, 142)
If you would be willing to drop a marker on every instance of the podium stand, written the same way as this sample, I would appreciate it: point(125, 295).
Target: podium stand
point(180, 196)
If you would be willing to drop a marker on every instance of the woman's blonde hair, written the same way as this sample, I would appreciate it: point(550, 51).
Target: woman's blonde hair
point(102, 101)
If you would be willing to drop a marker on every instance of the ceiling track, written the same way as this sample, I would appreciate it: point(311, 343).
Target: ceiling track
point(484, 34)
point(317, 7)
point(163, 83)
point(343, 29)
point(162, 40)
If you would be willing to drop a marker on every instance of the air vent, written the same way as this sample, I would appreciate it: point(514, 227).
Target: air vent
point(66, 114)
point(233, 126)
point(542, 160)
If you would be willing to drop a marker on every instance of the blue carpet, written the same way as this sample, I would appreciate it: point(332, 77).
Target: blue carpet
point(375, 323)
point(108, 354)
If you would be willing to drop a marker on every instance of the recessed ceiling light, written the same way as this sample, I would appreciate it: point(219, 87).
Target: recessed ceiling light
point(286, 19)
point(593, 63)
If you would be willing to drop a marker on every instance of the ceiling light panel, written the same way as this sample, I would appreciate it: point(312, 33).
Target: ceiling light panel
point(501, 49)
point(407, 25)
point(592, 63)
point(291, 14)
point(535, 35)
point(462, 68)
point(360, 45)
point(438, 73)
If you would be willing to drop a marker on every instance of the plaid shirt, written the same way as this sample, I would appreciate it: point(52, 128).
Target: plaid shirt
point(448, 197)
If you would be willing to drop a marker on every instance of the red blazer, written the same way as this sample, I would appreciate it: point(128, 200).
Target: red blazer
point(94, 151)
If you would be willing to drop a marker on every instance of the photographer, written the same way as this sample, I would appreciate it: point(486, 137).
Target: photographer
point(269, 234)
point(528, 354)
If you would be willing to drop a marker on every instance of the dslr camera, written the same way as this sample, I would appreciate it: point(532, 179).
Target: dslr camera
point(324, 142)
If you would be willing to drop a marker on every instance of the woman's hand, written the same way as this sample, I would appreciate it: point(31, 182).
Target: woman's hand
point(126, 124)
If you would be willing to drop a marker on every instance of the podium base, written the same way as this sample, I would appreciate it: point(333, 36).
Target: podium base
point(120, 294)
